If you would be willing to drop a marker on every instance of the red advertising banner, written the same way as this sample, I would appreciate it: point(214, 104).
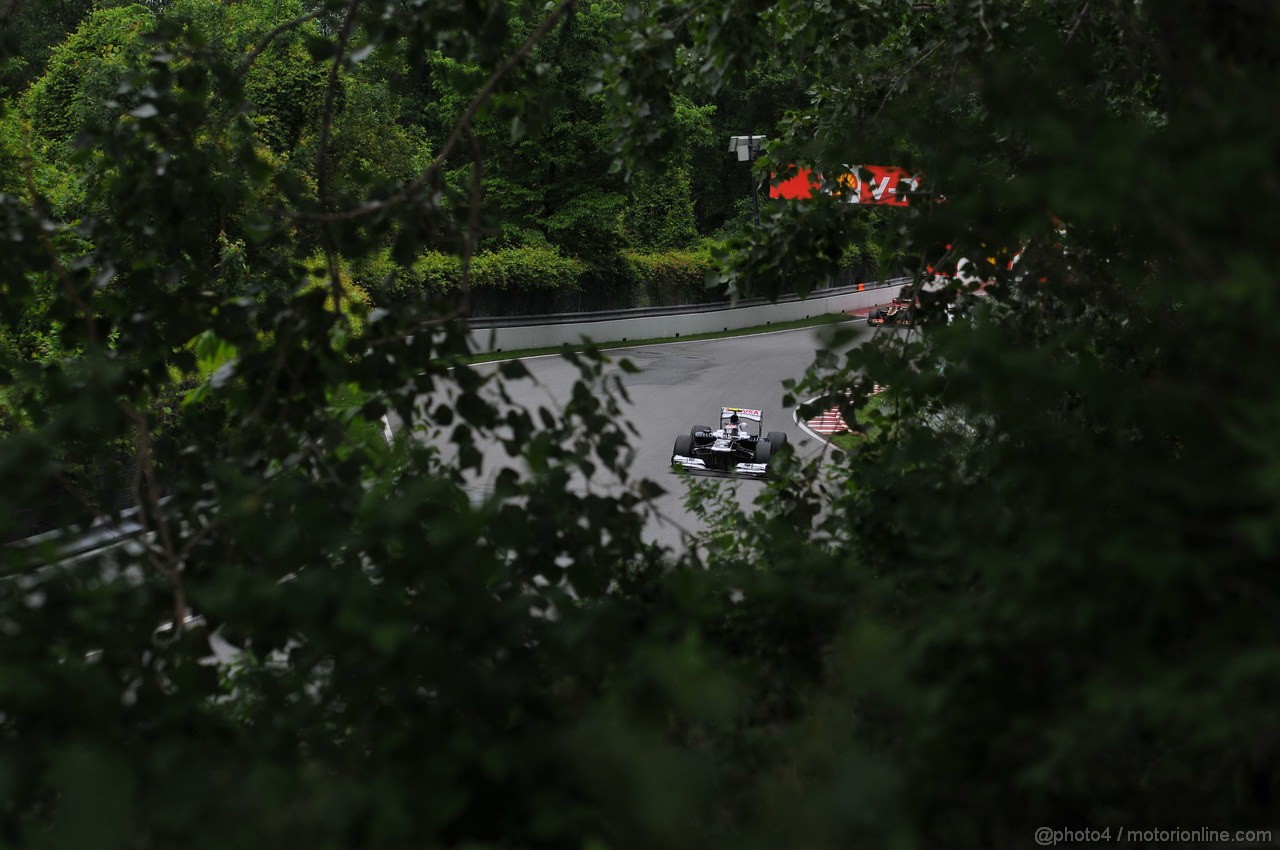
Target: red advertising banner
point(797, 188)
point(884, 184)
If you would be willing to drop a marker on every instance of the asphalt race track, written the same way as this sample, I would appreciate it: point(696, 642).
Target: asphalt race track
point(681, 385)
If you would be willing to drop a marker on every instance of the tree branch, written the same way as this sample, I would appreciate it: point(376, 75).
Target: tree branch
point(266, 40)
point(982, 19)
point(458, 128)
point(472, 237)
point(1084, 10)
point(322, 154)
point(898, 80)
point(167, 562)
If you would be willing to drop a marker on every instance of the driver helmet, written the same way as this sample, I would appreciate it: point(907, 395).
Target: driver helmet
point(733, 421)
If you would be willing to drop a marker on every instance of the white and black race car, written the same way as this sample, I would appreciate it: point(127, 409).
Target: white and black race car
point(735, 447)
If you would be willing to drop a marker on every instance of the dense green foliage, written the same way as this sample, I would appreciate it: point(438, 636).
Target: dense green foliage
point(1041, 593)
point(670, 277)
point(510, 269)
point(531, 280)
point(548, 151)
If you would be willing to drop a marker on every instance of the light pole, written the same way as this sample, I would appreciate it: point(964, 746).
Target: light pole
point(748, 148)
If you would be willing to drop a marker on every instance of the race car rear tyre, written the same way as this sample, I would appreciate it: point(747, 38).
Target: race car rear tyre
point(699, 429)
point(684, 446)
point(764, 451)
point(777, 439)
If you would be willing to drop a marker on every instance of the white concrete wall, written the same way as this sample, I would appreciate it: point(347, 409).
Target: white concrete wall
point(682, 324)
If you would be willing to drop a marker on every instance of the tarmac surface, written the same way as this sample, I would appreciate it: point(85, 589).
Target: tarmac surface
point(679, 385)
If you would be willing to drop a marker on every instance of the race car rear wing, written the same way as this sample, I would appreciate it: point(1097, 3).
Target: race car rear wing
point(743, 413)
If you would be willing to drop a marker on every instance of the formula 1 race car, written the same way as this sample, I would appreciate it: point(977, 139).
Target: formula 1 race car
point(735, 447)
point(898, 314)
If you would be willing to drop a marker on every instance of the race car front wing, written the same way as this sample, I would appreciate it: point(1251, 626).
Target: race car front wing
point(698, 464)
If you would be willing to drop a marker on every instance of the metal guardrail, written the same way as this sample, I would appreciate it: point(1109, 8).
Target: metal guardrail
point(73, 544)
point(484, 322)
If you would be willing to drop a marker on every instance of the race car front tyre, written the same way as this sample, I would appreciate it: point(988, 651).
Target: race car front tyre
point(684, 446)
point(764, 450)
point(777, 439)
